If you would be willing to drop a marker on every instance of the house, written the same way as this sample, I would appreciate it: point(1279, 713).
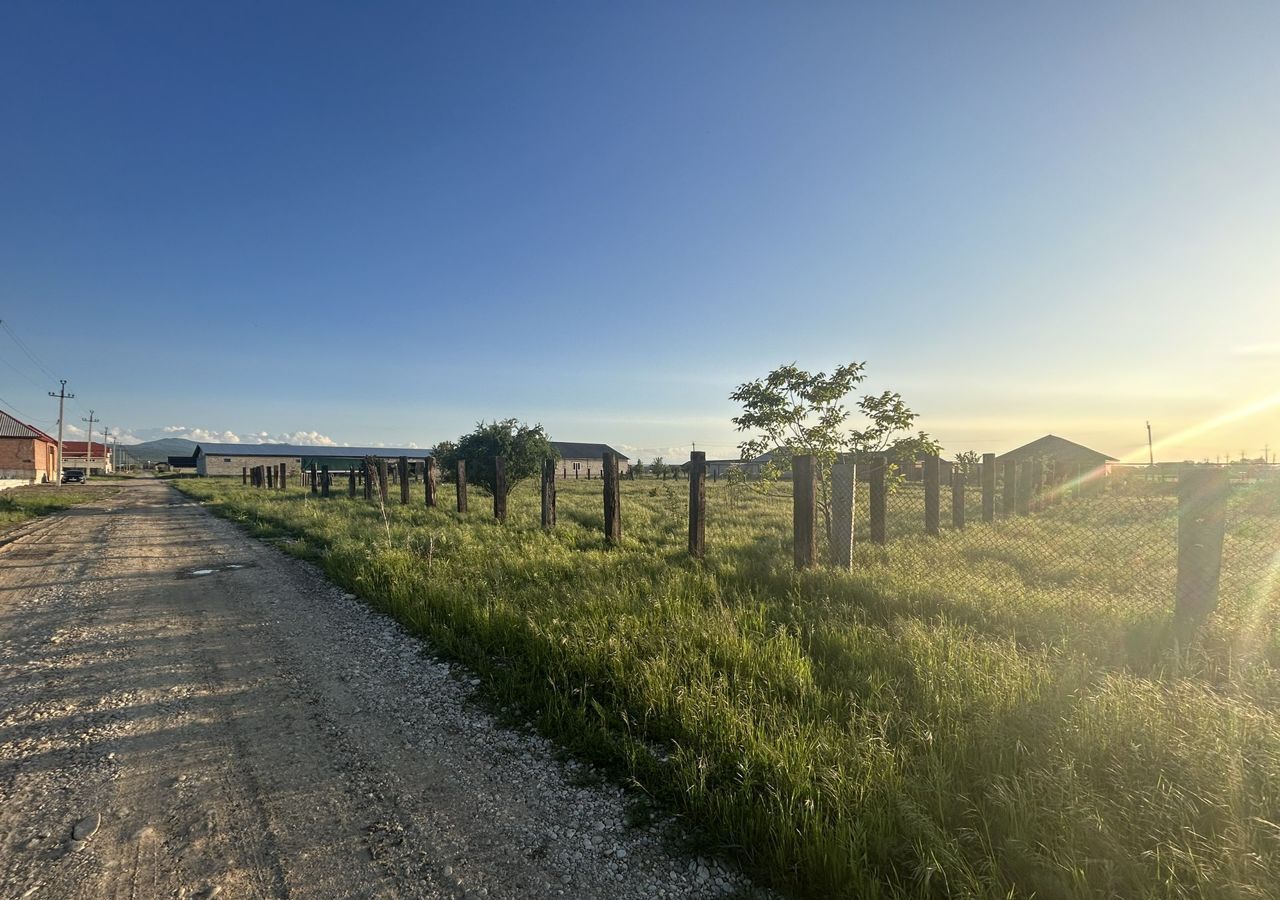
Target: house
point(1060, 456)
point(27, 454)
point(95, 459)
point(232, 459)
point(586, 460)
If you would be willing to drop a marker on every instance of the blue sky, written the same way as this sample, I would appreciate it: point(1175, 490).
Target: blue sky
point(384, 222)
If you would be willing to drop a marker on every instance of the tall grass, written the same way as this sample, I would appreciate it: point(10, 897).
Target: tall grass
point(19, 504)
point(860, 734)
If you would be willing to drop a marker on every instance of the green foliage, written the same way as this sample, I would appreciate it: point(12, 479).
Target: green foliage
point(523, 447)
point(658, 469)
point(968, 460)
point(873, 733)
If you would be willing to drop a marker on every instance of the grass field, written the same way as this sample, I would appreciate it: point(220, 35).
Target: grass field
point(957, 717)
point(19, 504)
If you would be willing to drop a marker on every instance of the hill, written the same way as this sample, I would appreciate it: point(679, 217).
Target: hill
point(159, 450)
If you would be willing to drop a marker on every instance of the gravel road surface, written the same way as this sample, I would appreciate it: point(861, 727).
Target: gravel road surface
point(186, 712)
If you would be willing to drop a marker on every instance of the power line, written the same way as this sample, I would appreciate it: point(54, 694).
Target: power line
point(27, 350)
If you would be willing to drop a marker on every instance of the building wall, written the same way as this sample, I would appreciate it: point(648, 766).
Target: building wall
point(99, 466)
point(27, 460)
point(234, 465)
point(565, 468)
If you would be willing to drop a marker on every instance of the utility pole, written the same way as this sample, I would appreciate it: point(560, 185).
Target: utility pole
point(106, 448)
point(1151, 453)
point(63, 397)
point(88, 447)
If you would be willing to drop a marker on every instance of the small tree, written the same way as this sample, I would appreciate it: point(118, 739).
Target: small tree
point(794, 412)
point(967, 461)
point(524, 448)
point(447, 450)
point(658, 468)
point(637, 468)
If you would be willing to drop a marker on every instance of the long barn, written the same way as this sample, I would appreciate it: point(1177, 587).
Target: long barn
point(232, 459)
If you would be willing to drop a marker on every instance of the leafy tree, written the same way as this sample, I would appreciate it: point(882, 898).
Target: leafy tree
point(637, 468)
point(444, 450)
point(524, 448)
point(793, 412)
point(967, 460)
point(658, 468)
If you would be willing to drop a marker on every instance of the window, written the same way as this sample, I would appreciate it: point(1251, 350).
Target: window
point(226, 459)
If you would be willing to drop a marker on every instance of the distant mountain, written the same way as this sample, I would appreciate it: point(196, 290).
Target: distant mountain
point(159, 451)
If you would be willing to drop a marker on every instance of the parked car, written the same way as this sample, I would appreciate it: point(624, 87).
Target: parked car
point(74, 476)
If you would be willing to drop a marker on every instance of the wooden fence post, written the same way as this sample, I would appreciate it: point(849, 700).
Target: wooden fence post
point(430, 479)
point(314, 485)
point(698, 504)
point(612, 504)
point(402, 467)
point(930, 472)
point(1009, 494)
point(1024, 489)
point(461, 482)
point(382, 479)
point(988, 487)
point(844, 485)
point(367, 474)
point(351, 482)
point(804, 510)
point(244, 475)
point(324, 480)
point(1202, 522)
point(500, 489)
point(879, 500)
point(548, 493)
point(271, 477)
point(958, 479)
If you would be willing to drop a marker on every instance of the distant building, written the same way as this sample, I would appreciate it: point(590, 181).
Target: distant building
point(1063, 455)
point(586, 460)
point(95, 460)
point(231, 459)
point(27, 454)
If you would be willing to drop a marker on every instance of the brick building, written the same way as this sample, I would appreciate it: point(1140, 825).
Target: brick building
point(27, 454)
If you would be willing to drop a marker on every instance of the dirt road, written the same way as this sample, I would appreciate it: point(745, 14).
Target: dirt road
point(187, 712)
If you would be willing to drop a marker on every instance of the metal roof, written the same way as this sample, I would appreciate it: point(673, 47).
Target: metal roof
point(11, 427)
point(301, 450)
point(574, 450)
point(1050, 445)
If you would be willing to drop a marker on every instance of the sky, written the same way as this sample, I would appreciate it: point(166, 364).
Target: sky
point(384, 222)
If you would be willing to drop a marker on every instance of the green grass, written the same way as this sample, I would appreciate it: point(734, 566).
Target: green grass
point(19, 504)
point(960, 716)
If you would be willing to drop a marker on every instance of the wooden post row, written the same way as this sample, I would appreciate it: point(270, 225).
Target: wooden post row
point(698, 504)
point(548, 494)
point(988, 487)
point(804, 508)
point(931, 474)
point(612, 505)
point(430, 481)
point(844, 485)
point(500, 489)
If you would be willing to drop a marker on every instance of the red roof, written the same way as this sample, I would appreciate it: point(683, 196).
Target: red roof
point(76, 448)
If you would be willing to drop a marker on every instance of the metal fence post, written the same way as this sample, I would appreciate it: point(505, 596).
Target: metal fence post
point(988, 487)
point(844, 486)
point(1202, 521)
point(698, 504)
point(931, 473)
point(500, 489)
point(548, 494)
point(879, 497)
point(804, 482)
point(612, 499)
